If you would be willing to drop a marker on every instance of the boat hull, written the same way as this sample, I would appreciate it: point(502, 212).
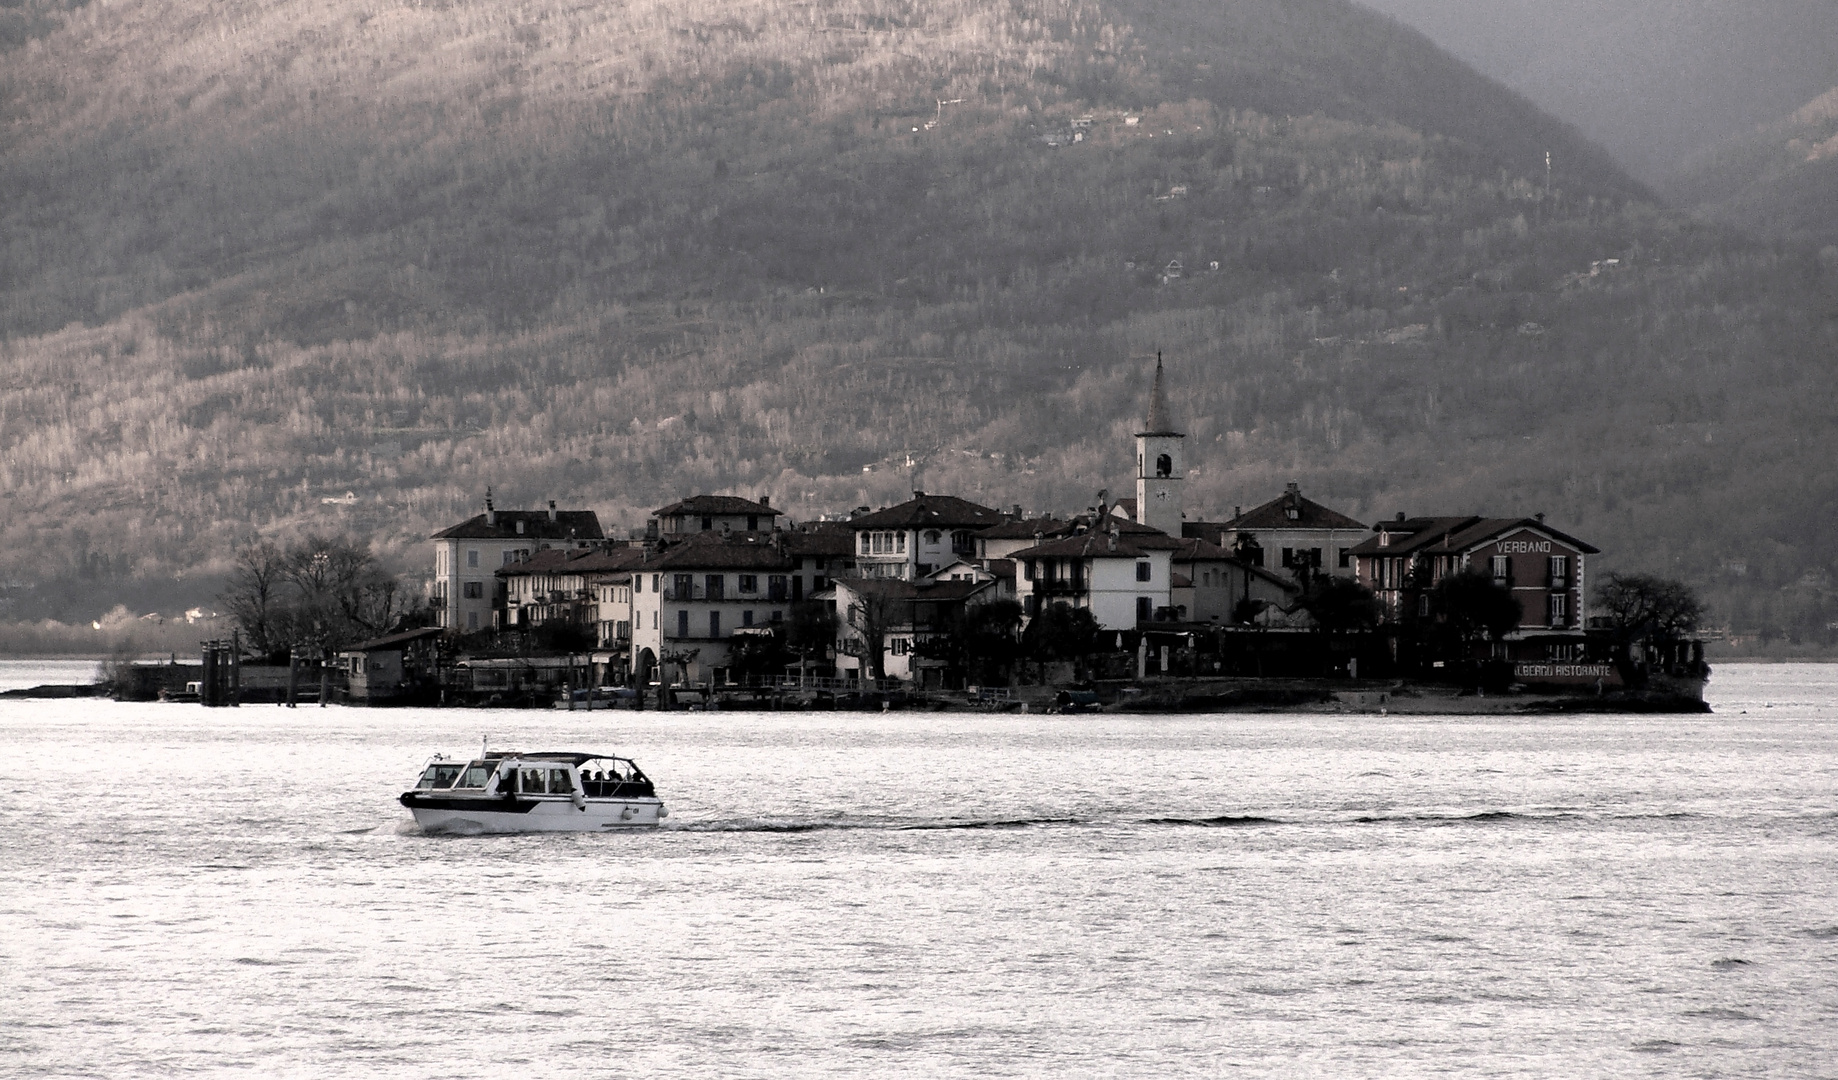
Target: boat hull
point(471, 816)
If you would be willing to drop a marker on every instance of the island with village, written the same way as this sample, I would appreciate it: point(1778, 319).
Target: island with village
point(722, 602)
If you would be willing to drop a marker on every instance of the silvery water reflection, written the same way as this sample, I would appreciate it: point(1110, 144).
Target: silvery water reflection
point(233, 891)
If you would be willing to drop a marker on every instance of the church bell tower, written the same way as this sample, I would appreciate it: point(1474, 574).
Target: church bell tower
point(1159, 464)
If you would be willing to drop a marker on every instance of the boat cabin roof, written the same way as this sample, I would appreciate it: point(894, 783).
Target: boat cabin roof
point(550, 755)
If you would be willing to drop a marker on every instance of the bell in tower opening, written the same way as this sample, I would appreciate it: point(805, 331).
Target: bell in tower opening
point(1158, 488)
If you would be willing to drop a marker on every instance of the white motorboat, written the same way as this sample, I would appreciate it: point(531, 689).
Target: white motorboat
point(503, 791)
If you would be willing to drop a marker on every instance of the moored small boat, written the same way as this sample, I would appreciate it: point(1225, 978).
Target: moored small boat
point(553, 791)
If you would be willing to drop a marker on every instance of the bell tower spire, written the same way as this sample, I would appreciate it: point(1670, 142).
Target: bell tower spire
point(1159, 464)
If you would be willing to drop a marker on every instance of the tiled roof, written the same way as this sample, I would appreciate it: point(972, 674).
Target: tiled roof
point(1045, 528)
point(575, 561)
point(833, 538)
point(1087, 546)
point(1193, 549)
point(1455, 534)
point(568, 525)
point(931, 511)
point(1275, 515)
point(712, 551)
point(713, 504)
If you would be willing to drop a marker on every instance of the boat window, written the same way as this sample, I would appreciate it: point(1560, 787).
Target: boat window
point(439, 776)
point(533, 781)
point(559, 784)
point(475, 775)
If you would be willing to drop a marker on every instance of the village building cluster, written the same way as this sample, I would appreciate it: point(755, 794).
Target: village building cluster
point(710, 576)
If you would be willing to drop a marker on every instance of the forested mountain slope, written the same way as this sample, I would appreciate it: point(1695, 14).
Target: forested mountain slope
point(259, 254)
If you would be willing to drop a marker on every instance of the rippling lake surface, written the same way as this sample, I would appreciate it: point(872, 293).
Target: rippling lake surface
point(236, 891)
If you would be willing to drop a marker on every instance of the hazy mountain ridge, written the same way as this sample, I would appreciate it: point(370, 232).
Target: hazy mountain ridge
point(1657, 81)
point(1779, 181)
point(619, 254)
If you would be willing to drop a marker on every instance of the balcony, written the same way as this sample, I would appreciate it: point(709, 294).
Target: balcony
point(1070, 587)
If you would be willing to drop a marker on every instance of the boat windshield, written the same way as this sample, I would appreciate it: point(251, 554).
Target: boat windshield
point(440, 775)
point(475, 775)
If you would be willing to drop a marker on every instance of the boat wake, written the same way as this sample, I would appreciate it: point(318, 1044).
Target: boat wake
point(762, 825)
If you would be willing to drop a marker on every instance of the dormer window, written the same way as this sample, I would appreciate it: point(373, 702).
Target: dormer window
point(1384, 539)
point(1294, 513)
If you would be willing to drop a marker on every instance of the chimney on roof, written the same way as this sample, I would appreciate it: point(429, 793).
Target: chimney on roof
point(861, 511)
point(491, 512)
point(765, 500)
point(917, 494)
point(1540, 516)
point(1400, 515)
point(551, 510)
point(1293, 488)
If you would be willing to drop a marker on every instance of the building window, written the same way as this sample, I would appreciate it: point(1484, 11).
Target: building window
point(746, 617)
point(1164, 465)
point(1503, 570)
point(778, 616)
point(776, 586)
point(865, 542)
point(472, 557)
point(1345, 558)
point(1560, 609)
point(749, 583)
point(714, 624)
point(1027, 572)
point(475, 590)
point(682, 624)
point(1560, 571)
point(1143, 571)
point(752, 522)
point(1423, 606)
point(472, 620)
point(654, 578)
point(707, 523)
point(933, 536)
point(1145, 609)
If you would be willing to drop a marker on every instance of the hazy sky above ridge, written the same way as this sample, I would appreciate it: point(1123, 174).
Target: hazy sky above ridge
point(1654, 81)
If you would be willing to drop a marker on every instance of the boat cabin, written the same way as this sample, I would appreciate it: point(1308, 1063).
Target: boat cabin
point(591, 776)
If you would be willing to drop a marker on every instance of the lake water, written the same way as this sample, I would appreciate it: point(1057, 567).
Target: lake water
point(235, 892)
